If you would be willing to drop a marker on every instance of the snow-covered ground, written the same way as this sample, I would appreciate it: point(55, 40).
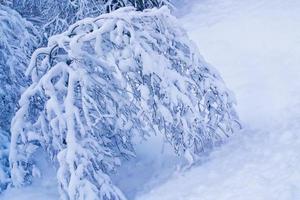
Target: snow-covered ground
point(256, 47)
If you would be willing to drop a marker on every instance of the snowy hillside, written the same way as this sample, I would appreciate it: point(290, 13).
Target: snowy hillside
point(255, 47)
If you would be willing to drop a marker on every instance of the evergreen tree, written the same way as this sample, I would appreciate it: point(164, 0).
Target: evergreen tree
point(106, 80)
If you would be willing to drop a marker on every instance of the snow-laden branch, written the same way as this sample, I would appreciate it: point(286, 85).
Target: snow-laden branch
point(109, 79)
point(17, 42)
point(55, 16)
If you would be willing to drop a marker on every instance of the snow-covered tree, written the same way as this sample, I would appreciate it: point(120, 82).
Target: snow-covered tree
point(106, 80)
point(17, 42)
point(54, 16)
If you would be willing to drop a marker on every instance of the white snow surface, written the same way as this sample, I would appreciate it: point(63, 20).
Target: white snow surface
point(255, 46)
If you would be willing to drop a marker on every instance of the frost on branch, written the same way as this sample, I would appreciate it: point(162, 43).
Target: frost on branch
point(16, 44)
point(55, 16)
point(109, 79)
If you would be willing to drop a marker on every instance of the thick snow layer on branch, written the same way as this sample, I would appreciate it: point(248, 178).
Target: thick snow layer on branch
point(106, 80)
point(55, 16)
point(16, 44)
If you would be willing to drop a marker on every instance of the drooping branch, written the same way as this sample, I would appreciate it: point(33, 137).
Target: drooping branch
point(109, 79)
